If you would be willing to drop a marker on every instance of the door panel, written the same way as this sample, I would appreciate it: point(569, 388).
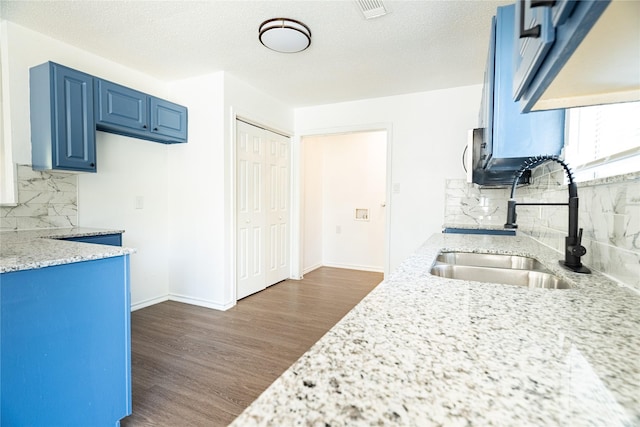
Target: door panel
point(121, 106)
point(168, 119)
point(262, 208)
point(249, 217)
point(278, 215)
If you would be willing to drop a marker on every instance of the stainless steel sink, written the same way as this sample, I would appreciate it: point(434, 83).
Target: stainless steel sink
point(496, 268)
point(491, 260)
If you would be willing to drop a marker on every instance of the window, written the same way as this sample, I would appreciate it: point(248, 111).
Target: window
point(603, 140)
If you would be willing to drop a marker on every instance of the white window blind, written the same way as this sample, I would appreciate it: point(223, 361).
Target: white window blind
point(603, 140)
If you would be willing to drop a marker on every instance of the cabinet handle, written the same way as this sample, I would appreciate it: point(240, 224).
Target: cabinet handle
point(144, 126)
point(93, 165)
point(155, 129)
point(535, 30)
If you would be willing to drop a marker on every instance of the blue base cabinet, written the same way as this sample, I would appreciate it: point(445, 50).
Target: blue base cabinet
point(66, 344)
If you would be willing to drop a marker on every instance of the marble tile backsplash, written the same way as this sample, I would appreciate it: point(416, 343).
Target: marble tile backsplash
point(609, 214)
point(45, 200)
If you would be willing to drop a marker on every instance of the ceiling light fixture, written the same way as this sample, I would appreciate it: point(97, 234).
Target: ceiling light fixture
point(285, 35)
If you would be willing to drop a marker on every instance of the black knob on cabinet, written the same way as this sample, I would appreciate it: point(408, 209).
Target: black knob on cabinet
point(155, 129)
point(144, 126)
point(93, 165)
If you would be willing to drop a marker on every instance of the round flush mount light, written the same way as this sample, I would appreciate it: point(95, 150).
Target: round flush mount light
point(285, 35)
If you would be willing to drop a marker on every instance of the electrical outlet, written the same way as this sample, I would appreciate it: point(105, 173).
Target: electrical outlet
point(138, 202)
point(338, 229)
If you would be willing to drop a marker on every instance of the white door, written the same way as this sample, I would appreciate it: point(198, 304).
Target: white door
point(262, 208)
point(277, 208)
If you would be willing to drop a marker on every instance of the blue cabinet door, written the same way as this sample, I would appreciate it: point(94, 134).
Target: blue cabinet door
point(538, 60)
point(66, 344)
point(62, 119)
point(514, 137)
point(531, 49)
point(121, 109)
point(168, 120)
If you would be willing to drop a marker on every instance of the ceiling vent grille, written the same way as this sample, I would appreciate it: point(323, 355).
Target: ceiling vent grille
point(371, 8)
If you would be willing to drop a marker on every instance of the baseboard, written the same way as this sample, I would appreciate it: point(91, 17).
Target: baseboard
point(148, 302)
point(310, 269)
point(201, 302)
point(355, 267)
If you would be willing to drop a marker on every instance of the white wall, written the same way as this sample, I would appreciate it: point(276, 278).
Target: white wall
point(202, 185)
point(126, 167)
point(429, 133)
point(341, 173)
point(196, 202)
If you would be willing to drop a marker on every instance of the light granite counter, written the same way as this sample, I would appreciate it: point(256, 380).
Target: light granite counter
point(421, 350)
point(29, 249)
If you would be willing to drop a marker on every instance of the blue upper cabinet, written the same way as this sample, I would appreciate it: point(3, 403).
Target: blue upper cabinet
point(534, 36)
point(168, 120)
point(119, 107)
point(62, 119)
point(68, 106)
point(511, 137)
point(128, 112)
point(575, 53)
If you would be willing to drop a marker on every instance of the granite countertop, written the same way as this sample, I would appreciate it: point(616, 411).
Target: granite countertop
point(421, 350)
point(30, 249)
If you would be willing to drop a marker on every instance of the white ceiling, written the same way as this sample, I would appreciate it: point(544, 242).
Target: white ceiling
point(418, 46)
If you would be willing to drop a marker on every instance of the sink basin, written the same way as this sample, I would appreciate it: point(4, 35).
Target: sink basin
point(514, 262)
point(496, 268)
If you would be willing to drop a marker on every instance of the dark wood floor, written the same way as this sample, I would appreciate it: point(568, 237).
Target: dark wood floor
point(201, 367)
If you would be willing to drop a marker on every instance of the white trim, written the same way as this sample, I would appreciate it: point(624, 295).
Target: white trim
point(622, 155)
point(149, 302)
point(201, 302)
point(8, 172)
point(295, 205)
point(310, 269)
point(355, 267)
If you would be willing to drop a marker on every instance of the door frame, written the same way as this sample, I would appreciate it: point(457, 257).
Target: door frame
point(297, 234)
point(232, 232)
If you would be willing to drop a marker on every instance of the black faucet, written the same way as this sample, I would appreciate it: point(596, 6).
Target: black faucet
point(573, 249)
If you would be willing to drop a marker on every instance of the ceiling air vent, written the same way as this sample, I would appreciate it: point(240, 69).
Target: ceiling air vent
point(371, 8)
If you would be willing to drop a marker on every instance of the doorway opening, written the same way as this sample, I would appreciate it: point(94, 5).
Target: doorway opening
point(344, 208)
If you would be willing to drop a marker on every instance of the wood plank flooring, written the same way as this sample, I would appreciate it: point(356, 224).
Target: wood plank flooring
point(200, 367)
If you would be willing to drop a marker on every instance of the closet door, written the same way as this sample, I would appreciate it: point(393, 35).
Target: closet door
point(277, 193)
point(262, 211)
point(250, 212)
